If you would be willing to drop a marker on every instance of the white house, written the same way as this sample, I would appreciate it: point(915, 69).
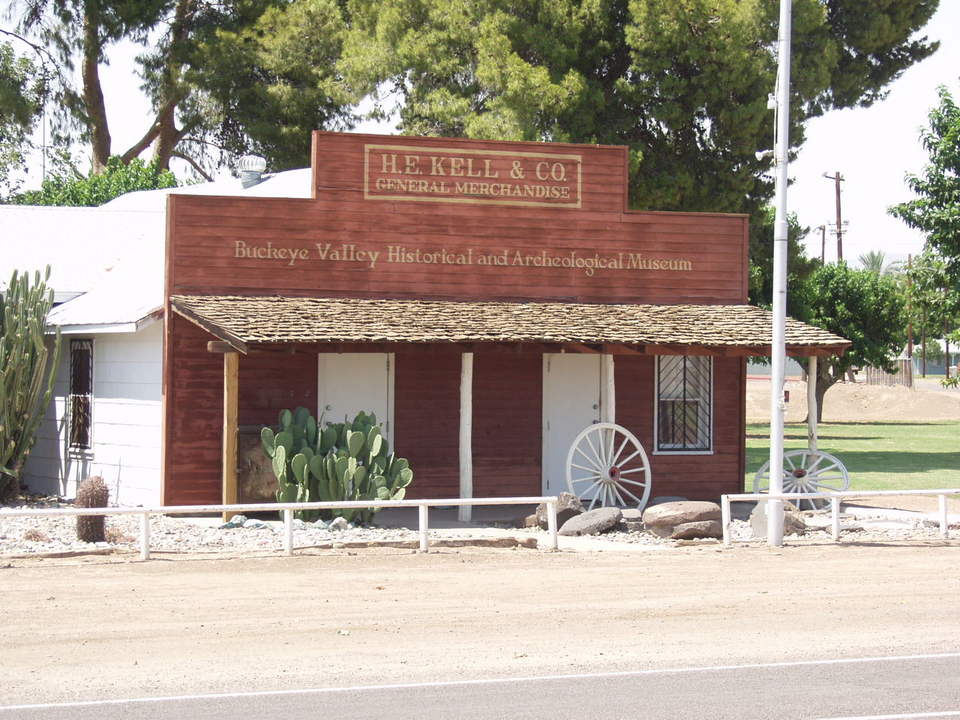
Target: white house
point(107, 270)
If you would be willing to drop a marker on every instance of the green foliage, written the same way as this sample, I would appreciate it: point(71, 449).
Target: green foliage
point(866, 308)
point(21, 99)
point(96, 189)
point(936, 209)
point(269, 82)
point(93, 492)
point(933, 299)
point(799, 266)
point(683, 84)
point(27, 372)
point(343, 461)
point(875, 261)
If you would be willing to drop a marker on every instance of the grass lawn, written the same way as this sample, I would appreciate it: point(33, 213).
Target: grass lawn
point(878, 456)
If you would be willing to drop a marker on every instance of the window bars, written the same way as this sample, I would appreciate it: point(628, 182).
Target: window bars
point(80, 401)
point(684, 403)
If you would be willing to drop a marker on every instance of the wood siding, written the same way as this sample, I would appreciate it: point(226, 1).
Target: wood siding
point(126, 422)
point(267, 246)
point(694, 476)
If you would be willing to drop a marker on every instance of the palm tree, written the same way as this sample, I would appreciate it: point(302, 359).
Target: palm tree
point(876, 262)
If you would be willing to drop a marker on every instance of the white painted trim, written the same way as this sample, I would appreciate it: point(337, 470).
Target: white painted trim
point(544, 421)
point(500, 681)
point(391, 374)
point(812, 403)
point(656, 413)
point(466, 434)
point(107, 328)
point(608, 389)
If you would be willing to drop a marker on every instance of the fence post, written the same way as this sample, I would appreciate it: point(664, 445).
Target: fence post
point(145, 536)
point(944, 521)
point(423, 518)
point(552, 523)
point(835, 517)
point(288, 531)
point(725, 518)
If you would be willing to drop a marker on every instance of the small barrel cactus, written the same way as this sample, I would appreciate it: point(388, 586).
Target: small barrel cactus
point(93, 492)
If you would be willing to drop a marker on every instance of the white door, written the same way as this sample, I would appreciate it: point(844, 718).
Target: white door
point(571, 402)
point(350, 382)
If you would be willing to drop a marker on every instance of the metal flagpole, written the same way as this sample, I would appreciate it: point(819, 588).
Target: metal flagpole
point(778, 344)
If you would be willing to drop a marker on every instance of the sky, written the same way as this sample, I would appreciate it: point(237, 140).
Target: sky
point(873, 148)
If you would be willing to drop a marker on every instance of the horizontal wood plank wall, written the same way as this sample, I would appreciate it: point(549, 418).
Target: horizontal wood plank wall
point(211, 239)
point(273, 381)
point(427, 418)
point(507, 408)
point(697, 477)
point(194, 416)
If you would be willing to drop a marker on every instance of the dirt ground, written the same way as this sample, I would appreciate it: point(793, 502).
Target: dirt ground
point(858, 402)
point(96, 628)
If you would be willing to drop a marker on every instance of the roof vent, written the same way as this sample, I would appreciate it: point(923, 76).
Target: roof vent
point(251, 170)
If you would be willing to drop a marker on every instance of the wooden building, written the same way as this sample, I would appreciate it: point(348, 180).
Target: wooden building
point(489, 300)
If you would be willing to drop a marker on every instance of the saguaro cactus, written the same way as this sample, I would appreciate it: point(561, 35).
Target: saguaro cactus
point(93, 492)
point(27, 372)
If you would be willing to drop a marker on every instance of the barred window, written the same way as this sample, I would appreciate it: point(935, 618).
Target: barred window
point(80, 401)
point(684, 403)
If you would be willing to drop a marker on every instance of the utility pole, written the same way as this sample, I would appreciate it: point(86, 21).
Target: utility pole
point(823, 244)
point(837, 179)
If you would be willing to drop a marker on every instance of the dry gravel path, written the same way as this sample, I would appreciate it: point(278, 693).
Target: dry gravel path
point(113, 628)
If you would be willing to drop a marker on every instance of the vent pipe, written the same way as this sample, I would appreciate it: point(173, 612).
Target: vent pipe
point(251, 170)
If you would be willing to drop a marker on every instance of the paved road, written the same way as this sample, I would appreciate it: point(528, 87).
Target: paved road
point(920, 686)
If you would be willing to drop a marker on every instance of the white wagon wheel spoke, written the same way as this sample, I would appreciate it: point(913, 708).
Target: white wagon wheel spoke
point(612, 452)
point(807, 471)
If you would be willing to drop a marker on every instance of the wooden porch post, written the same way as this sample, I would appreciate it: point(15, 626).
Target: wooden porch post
point(231, 368)
point(608, 390)
point(466, 434)
point(812, 403)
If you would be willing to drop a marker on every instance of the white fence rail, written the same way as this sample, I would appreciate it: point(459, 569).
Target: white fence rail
point(288, 510)
point(835, 498)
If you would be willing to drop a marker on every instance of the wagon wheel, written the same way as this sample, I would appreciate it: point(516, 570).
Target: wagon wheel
point(806, 471)
point(606, 464)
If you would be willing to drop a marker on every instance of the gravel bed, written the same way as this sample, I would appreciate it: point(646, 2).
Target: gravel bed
point(49, 535)
point(40, 535)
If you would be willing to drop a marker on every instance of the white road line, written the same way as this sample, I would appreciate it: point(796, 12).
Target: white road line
point(949, 713)
point(499, 681)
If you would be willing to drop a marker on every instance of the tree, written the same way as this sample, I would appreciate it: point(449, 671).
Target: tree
point(69, 187)
point(27, 372)
point(876, 262)
point(933, 300)
point(799, 266)
point(936, 210)
point(215, 73)
point(866, 308)
point(683, 84)
point(21, 98)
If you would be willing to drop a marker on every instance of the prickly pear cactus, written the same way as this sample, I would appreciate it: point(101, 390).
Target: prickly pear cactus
point(341, 461)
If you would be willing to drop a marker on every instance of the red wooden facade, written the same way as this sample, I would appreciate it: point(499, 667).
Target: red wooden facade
point(436, 218)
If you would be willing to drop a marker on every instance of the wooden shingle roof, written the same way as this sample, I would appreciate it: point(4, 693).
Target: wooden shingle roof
point(242, 321)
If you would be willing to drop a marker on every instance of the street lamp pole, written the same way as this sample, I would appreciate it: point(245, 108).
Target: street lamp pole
point(780, 234)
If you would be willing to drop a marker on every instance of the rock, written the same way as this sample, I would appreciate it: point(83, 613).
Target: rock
point(234, 522)
point(530, 521)
point(698, 529)
point(321, 523)
point(661, 499)
point(632, 515)
point(568, 506)
point(254, 524)
point(298, 524)
point(338, 524)
point(793, 523)
point(671, 514)
point(629, 526)
point(592, 522)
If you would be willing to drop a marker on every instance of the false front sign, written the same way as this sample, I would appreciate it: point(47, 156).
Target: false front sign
point(460, 175)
